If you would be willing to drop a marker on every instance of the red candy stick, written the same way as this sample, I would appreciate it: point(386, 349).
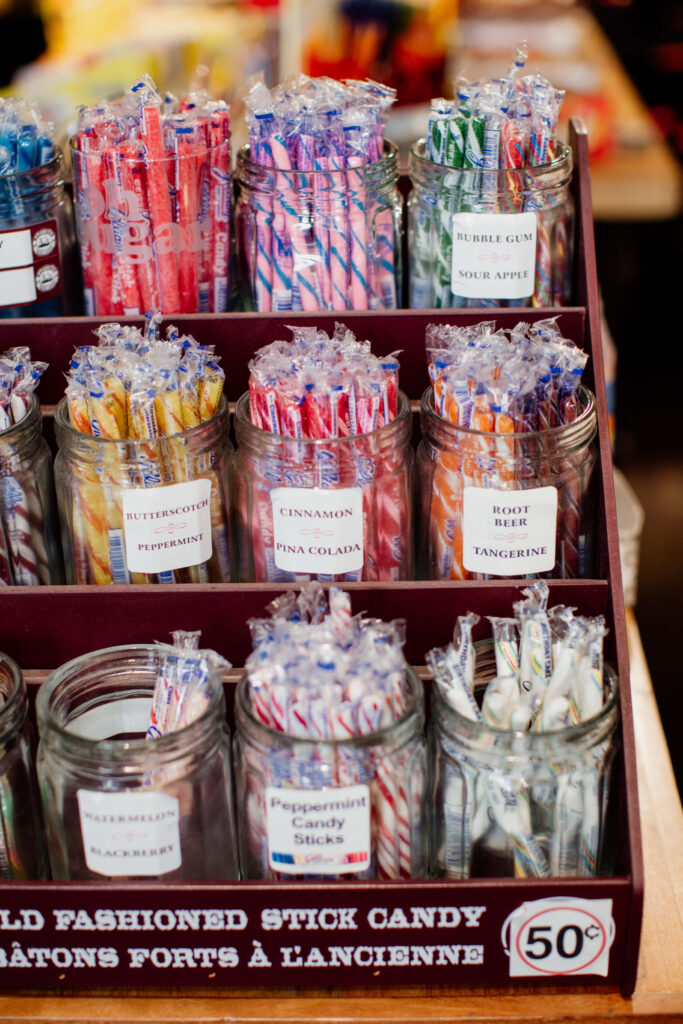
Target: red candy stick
point(160, 210)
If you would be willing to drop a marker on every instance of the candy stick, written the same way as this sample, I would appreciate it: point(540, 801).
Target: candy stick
point(301, 247)
point(160, 207)
point(112, 173)
point(220, 209)
point(100, 249)
point(132, 172)
point(188, 215)
point(5, 566)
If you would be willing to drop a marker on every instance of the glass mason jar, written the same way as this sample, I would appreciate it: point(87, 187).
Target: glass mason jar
point(523, 804)
point(145, 511)
point(309, 240)
point(119, 805)
point(22, 848)
point(145, 246)
point(29, 535)
point(316, 808)
point(507, 504)
point(490, 238)
point(39, 275)
point(333, 509)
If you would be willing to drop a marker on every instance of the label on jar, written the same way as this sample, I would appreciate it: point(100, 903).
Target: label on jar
point(29, 264)
point(509, 533)
point(494, 255)
point(318, 531)
point(130, 833)
point(318, 831)
point(167, 527)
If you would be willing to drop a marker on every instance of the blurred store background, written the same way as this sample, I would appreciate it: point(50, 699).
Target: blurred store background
point(621, 62)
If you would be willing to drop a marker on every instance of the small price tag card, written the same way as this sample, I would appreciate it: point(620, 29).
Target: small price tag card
point(559, 936)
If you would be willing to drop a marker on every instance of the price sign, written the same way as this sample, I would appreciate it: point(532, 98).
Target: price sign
point(560, 936)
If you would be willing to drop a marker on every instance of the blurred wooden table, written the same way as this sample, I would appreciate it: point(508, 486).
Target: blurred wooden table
point(640, 178)
point(659, 990)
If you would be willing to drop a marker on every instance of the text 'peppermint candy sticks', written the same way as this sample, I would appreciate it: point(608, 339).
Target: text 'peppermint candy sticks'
point(330, 752)
point(152, 186)
point(324, 465)
point(524, 745)
point(319, 214)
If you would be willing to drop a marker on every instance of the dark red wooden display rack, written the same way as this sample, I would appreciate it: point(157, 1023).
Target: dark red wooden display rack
point(249, 941)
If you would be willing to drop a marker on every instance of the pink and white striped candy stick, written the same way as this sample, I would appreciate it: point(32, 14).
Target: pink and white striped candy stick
point(339, 231)
point(303, 254)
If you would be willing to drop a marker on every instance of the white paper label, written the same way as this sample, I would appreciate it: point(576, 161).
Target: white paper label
point(494, 255)
point(559, 936)
point(509, 533)
point(318, 531)
point(318, 831)
point(130, 833)
point(15, 249)
point(17, 287)
point(167, 527)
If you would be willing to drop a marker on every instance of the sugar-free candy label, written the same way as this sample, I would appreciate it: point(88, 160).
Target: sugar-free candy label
point(130, 833)
point(559, 936)
point(509, 533)
point(318, 531)
point(167, 527)
point(494, 255)
point(29, 264)
point(318, 831)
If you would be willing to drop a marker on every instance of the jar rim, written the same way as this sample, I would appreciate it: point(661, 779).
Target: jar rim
point(243, 423)
point(569, 733)
point(414, 710)
point(587, 412)
point(389, 151)
point(62, 421)
point(14, 430)
point(563, 155)
point(53, 163)
point(15, 692)
point(164, 744)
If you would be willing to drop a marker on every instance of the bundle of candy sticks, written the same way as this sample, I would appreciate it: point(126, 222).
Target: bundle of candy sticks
point(321, 230)
point(546, 799)
point(493, 126)
point(503, 384)
point(324, 678)
point(137, 387)
point(152, 185)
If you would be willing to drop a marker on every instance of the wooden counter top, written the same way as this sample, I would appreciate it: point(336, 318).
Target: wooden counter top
point(659, 990)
